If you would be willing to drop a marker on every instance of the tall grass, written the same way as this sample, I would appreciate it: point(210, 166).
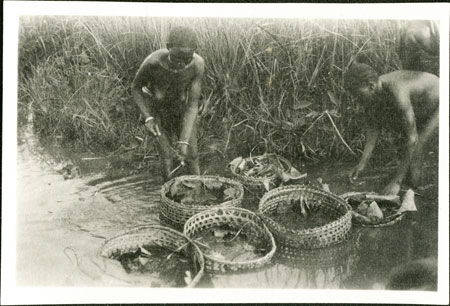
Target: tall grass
point(270, 85)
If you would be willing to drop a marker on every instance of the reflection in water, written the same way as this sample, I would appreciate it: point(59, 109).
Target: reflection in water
point(381, 250)
point(415, 275)
point(316, 269)
point(307, 269)
point(84, 211)
point(115, 205)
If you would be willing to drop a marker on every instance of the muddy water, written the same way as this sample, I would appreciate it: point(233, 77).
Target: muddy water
point(61, 223)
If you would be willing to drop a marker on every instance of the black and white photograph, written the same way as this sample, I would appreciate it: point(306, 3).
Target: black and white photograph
point(200, 152)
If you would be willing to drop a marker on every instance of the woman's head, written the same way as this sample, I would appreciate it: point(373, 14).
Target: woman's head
point(182, 43)
point(361, 80)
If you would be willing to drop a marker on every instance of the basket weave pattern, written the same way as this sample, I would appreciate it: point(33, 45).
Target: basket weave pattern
point(258, 182)
point(235, 218)
point(154, 234)
point(176, 214)
point(334, 232)
point(397, 219)
point(330, 256)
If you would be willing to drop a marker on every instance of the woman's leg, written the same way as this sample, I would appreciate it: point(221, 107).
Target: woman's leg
point(192, 158)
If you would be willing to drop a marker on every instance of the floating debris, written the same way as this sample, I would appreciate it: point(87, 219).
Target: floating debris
point(163, 267)
point(301, 213)
point(226, 243)
point(268, 166)
point(69, 171)
point(408, 203)
point(201, 192)
point(375, 209)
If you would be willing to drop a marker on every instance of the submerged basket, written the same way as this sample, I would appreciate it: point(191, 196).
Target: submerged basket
point(176, 214)
point(309, 238)
point(154, 234)
point(235, 218)
point(257, 183)
point(331, 256)
point(395, 220)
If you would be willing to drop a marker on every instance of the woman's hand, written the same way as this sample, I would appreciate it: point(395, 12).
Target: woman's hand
point(182, 147)
point(354, 173)
point(392, 188)
point(152, 126)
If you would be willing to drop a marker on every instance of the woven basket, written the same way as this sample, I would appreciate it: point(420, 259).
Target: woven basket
point(310, 238)
point(154, 234)
point(176, 214)
point(331, 256)
point(257, 183)
point(235, 218)
point(305, 272)
point(397, 219)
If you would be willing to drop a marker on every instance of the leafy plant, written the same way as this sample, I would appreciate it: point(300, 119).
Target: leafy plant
point(201, 192)
point(267, 86)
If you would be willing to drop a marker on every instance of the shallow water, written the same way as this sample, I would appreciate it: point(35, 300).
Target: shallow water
point(61, 224)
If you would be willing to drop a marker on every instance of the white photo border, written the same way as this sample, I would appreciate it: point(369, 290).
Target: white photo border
point(11, 294)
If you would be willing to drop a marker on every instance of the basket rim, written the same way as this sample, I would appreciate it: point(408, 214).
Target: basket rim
point(355, 193)
point(389, 223)
point(346, 195)
point(305, 231)
point(139, 227)
point(267, 256)
point(165, 187)
point(155, 226)
point(262, 179)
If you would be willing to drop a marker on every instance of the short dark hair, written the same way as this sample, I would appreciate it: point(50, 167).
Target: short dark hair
point(359, 74)
point(182, 37)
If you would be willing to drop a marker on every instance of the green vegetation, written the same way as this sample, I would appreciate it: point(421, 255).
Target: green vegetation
point(273, 84)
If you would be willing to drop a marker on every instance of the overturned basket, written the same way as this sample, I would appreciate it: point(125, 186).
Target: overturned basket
point(176, 214)
point(154, 234)
point(257, 183)
point(310, 238)
point(395, 218)
point(237, 218)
